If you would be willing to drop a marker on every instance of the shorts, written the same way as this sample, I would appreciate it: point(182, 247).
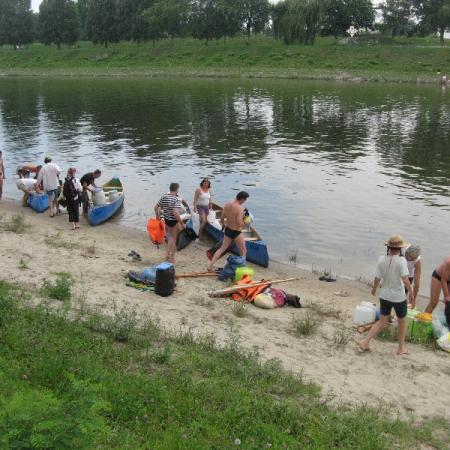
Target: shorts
point(170, 223)
point(52, 194)
point(447, 313)
point(232, 234)
point(400, 308)
point(203, 209)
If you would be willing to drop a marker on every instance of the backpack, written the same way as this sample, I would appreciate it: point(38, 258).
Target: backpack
point(185, 237)
point(156, 229)
point(233, 262)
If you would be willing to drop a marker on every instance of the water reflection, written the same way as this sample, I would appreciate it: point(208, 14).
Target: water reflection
point(316, 156)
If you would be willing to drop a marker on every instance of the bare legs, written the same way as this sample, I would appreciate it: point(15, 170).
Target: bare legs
point(240, 243)
point(203, 220)
point(1, 187)
point(382, 323)
point(435, 292)
point(172, 243)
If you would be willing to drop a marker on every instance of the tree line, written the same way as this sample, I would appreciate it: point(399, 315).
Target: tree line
point(64, 22)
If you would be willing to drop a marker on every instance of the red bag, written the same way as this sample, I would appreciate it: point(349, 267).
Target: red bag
point(156, 229)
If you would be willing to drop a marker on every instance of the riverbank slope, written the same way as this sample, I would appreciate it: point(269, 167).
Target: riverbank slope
point(97, 259)
point(418, 60)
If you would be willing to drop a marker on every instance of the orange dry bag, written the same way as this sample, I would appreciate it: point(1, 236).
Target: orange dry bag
point(156, 229)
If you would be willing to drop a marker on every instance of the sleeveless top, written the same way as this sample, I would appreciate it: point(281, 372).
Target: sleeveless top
point(411, 267)
point(203, 198)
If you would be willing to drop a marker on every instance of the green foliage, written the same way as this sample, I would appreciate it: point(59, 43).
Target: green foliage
point(167, 18)
point(434, 16)
point(16, 22)
point(103, 22)
point(255, 15)
point(397, 17)
point(16, 224)
point(61, 289)
point(58, 22)
point(299, 21)
point(339, 15)
point(304, 325)
point(66, 386)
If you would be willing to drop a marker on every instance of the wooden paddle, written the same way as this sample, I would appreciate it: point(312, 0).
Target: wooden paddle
point(237, 288)
point(196, 275)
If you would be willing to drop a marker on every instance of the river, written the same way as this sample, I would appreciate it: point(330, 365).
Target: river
point(332, 168)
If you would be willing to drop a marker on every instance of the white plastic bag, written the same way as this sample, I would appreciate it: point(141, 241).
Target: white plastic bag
point(444, 342)
point(195, 220)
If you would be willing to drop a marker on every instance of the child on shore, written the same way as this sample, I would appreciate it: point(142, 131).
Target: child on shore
point(392, 272)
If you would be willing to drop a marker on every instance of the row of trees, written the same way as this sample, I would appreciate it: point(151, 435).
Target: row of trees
point(63, 22)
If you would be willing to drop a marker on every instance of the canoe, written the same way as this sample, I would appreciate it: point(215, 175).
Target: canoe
point(256, 248)
point(38, 202)
point(102, 213)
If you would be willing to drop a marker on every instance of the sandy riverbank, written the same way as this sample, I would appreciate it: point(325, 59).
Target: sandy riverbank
point(416, 383)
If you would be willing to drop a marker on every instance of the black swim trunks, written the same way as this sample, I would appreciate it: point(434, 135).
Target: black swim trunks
point(232, 234)
point(400, 308)
point(170, 223)
point(436, 275)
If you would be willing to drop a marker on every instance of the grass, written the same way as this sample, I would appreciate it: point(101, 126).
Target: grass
point(69, 384)
point(59, 241)
point(302, 326)
point(239, 309)
point(342, 336)
point(60, 289)
point(23, 264)
point(399, 59)
point(16, 224)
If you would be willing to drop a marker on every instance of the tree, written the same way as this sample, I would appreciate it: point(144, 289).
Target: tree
point(434, 16)
point(168, 17)
point(299, 21)
point(340, 15)
point(82, 6)
point(58, 22)
point(397, 15)
point(231, 14)
point(255, 15)
point(102, 22)
point(16, 22)
point(205, 20)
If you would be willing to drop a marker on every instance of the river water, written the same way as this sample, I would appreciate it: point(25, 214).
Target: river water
point(332, 168)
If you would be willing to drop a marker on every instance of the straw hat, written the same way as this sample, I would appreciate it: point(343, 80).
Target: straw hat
point(396, 241)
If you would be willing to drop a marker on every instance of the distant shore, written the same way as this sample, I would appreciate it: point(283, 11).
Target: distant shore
point(265, 57)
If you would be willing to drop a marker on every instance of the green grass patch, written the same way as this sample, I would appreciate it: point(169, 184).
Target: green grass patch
point(16, 224)
point(60, 289)
point(305, 325)
point(69, 384)
point(371, 58)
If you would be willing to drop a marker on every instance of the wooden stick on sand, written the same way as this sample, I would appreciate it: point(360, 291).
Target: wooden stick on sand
point(196, 275)
point(240, 287)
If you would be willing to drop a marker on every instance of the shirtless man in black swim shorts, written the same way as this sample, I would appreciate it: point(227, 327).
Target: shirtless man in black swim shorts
point(232, 219)
point(440, 281)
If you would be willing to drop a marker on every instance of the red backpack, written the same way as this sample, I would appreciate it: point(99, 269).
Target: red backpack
point(156, 229)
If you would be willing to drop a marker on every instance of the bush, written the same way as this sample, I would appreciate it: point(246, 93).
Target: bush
point(304, 326)
point(61, 289)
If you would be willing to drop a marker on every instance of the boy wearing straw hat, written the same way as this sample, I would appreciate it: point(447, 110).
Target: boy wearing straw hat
point(392, 272)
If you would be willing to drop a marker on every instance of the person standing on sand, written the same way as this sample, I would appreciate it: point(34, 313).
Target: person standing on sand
point(88, 179)
point(49, 177)
point(2, 174)
point(203, 203)
point(414, 263)
point(392, 271)
point(71, 193)
point(169, 206)
point(440, 282)
point(232, 219)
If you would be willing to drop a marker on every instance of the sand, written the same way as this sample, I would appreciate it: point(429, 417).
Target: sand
point(417, 383)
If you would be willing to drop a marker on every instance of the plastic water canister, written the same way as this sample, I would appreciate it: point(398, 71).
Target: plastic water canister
point(99, 197)
point(241, 271)
point(195, 223)
point(165, 279)
point(113, 196)
point(363, 314)
point(211, 215)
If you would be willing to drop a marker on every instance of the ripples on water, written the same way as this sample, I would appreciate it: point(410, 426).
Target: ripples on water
point(332, 168)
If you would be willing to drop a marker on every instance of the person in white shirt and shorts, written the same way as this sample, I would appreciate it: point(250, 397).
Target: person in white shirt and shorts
point(392, 272)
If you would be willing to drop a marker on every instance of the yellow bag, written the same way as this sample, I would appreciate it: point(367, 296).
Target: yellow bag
point(264, 301)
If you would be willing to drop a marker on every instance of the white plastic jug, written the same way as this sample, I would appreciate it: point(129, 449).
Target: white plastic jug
point(113, 195)
point(99, 197)
point(211, 216)
point(363, 314)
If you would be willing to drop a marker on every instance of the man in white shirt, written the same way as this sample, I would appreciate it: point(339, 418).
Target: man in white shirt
point(27, 185)
point(392, 271)
point(49, 177)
